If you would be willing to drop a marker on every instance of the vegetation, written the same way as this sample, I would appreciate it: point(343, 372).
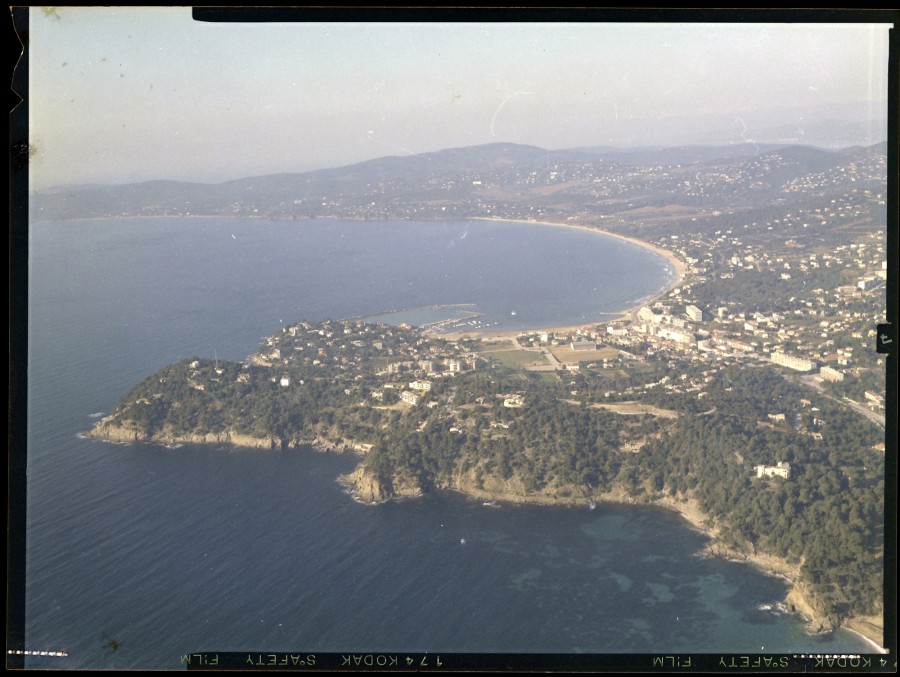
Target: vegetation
point(827, 518)
point(785, 233)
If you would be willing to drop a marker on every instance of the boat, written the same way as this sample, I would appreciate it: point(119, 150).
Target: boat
point(592, 505)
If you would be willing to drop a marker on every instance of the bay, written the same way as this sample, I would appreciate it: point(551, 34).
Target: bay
point(137, 555)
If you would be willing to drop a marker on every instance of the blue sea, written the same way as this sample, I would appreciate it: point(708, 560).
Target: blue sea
point(137, 555)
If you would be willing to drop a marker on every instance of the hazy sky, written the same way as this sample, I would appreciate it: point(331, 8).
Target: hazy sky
point(119, 95)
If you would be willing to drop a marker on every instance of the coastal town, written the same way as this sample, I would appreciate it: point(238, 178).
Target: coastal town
point(747, 394)
point(467, 339)
point(779, 253)
point(824, 341)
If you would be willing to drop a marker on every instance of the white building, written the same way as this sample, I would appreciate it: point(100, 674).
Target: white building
point(409, 398)
point(875, 396)
point(676, 335)
point(647, 314)
point(831, 374)
point(514, 402)
point(694, 313)
point(796, 363)
point(779, 470)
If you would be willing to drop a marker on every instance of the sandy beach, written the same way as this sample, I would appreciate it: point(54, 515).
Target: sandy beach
point(869, 628)
point(677, 264)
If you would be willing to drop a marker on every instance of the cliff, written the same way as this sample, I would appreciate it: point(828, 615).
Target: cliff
point(366, 488)
point(461, 438)
point(800, 598)
point(125, 432)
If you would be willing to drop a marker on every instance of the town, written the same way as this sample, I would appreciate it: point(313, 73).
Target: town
point(748, 392)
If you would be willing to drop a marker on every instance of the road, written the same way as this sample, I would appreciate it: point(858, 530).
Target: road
point(814, 382)
point(551, 358)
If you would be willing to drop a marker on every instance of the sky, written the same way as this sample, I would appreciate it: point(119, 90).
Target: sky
point(118, 95)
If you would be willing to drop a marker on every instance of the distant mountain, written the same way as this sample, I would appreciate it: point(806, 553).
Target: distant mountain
point(70, 187)
point(867, 151)
point(456, 182)
point(678, 155)
point(409, 169)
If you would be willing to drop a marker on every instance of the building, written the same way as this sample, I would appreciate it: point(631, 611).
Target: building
point(514, 402)
point(796, 363)
point(409, 398)
point(579, 346)
point(421, 385)
point(694, 313)
point(831, 374)
point(867, 283)
point(875, 396)
point(779, 470)
point(647, 314)
point(741, 345)
point(676, 335)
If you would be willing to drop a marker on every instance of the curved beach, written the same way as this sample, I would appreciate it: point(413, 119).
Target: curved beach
point(677, 264)
point(869, 628)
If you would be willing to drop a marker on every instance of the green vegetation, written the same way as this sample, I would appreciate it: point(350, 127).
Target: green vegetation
point(786, 248)
point(764, 291)
point(512, 432)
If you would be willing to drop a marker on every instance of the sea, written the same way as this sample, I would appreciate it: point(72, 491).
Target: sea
point(139, 555)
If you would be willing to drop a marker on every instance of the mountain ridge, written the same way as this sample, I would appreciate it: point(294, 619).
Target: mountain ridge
point(467, 181)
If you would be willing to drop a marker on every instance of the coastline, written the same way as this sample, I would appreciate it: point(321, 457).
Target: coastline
point(876, 647)
point(865, 628)
point(368, 491)
point(677, 264)
point(679, 267)
point(870, 629)
point(797, 597)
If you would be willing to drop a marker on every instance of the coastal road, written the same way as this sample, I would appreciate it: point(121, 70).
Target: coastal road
point(551, 358)
point(815, 383)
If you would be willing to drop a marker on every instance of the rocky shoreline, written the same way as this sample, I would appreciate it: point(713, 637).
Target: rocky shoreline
point(108, 431)
point(799, 599)
point(369, 490)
